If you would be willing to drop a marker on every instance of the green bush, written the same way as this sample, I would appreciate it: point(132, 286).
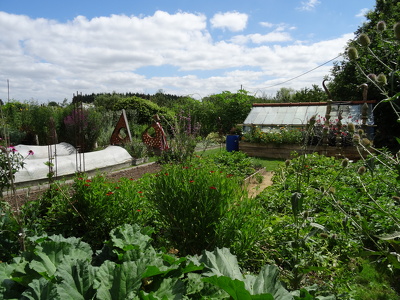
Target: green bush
point(90, 208)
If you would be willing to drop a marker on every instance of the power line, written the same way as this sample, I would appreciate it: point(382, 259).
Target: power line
point(309, 71)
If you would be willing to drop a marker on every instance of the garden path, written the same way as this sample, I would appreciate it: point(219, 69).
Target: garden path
point(254, 187)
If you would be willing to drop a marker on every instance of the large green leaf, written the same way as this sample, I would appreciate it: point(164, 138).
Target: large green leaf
point(221, 262)
point(234, 287)
point(267, 282)
point(117, 282)
point(8, 287)
point(127, 235)
point(197, 288)
point(77, 281)
point(54, 251)
point(41, 289)
point(169, 289)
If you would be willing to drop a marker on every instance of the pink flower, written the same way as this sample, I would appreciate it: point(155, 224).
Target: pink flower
point(30, 152)
point(12, 149)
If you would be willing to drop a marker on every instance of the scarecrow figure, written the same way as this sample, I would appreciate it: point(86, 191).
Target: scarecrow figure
point(157, 143)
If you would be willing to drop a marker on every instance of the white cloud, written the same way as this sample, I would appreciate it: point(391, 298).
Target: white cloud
point(266, 24)
point(48, 60)
point(309, 4)
point(362, 13)
point(256, 38)
point(233, 21)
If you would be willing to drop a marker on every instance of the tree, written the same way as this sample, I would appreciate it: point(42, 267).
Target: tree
point(315, 94)
point(284, 95)
point(222, 112)
point(374, 55)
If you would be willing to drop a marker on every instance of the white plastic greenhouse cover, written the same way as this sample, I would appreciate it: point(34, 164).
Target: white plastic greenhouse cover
point(298, 114)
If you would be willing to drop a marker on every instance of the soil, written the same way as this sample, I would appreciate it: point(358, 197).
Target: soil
point(257, 186)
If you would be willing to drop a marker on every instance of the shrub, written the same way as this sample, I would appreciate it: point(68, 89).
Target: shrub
point(90, 208)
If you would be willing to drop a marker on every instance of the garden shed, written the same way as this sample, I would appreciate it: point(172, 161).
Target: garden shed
point(266, 115)
point(269, 126)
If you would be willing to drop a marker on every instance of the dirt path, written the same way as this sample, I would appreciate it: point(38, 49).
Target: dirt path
point(254, 187)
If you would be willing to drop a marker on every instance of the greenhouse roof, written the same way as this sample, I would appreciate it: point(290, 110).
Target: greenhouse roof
point(298, 114)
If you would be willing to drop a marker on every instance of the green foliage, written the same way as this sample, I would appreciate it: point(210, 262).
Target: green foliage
point(322, 213)
point(10, 162)
point(145, 109)
point(375, 62)
point(234, 163)
point(222, 112)
point(371, 284)
point(128, 267)
point(192, 202)
point(313, 94)
point(183, 141)
point(90, 208)
point(9, 229)
point(81, 127)
point(280, 135)
point(136, 148)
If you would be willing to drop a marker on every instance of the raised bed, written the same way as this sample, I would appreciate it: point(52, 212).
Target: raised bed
point(283, 151)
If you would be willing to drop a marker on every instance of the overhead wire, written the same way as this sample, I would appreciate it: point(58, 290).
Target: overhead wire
point(293, 78)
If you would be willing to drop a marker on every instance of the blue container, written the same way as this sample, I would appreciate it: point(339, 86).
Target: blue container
point(232, 143)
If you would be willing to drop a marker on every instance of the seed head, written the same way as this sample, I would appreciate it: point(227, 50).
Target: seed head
point(366, 142)
point(372, 76)
point(396, 29)
point(361, 170)
point(356, 138)
point(287, 163)
point(381, 78)
point(351, 128)
point(364, 40)
point(352, 53)
point(323, 235)
point(381, 26)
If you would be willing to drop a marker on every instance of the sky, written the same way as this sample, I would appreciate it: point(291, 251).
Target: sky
point(51, 50)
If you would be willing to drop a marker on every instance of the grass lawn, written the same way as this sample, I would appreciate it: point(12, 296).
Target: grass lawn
point(267, 163)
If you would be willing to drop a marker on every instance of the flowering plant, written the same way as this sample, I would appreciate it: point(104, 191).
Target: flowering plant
point(10, 162)
point(184, 138)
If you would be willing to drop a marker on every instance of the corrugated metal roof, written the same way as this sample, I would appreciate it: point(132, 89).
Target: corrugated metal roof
point(298, 114)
